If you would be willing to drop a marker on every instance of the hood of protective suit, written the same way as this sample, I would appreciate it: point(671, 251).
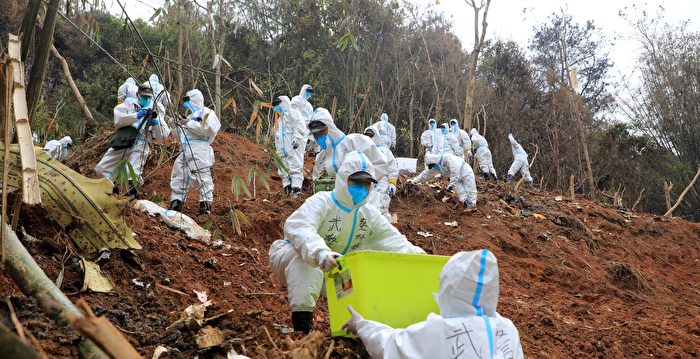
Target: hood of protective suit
point(469, 285)
point(384, 117)
point(302, 92)
point(354, 162)
point(321, 114)
point(286, 103)
point(455, 123)
point(66, 140)
point(196, 98)
point(377, 139)
point(153, 79)
point(130, 81)
point(431, 158)
point(474, 131)
point(432, 121)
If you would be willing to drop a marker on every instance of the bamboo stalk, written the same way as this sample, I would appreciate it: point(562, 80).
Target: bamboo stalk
point(571, 188)
point(73, 86)
point(30, 179)
point(639, 198)
point(32, 281)
point(7, 138)
point(685, 191)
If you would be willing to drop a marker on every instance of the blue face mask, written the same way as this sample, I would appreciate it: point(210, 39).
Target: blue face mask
point(278, 108)
point(308, 95)
point(358, 192)
point(188, 105)
point(442, 129)
point(144, 101)
point(321, 140)
point(431, 125)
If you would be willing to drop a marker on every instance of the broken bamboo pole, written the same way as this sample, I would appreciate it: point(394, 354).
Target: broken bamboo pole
point(12, 346)
point(685, 191)
point(639, 199)
point(7, 138)
point(668, 186)
point(30, 178)
point(32, 281)
point(571, 188)
point(73, 86)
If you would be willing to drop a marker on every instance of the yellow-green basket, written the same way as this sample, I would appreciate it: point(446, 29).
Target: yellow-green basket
point(393, 288)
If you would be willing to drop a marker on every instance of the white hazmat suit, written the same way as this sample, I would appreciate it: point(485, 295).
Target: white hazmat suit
point(338, 145)
point(127, 90)
point(330, 222)
point(461, 139)
point(58, 149)
point(158, 88)
point(193, 165)
point(290, 142)
point(483, 154)
point(427, 138)
point(387, 131)
point(387, 186)
point(461, 175)
point(520, 162)
point(468, 325)
point(156, 131)
point(301, 103)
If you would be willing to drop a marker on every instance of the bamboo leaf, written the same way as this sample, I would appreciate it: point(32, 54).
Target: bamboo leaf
point(261, 178)
point(257, 89)
point(155, 15)
point(238, 186)
point(279, 162)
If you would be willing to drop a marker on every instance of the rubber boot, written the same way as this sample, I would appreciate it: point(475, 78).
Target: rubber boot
point(204, 207)
point(287, 190)
point(510, 178)
point(176, 205)
point(133, 193)
point(303, 321)
point(486, 176)
point(296, 192)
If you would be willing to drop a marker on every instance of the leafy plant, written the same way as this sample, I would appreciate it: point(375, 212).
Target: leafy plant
point(238, 186)
point(256, 172)
point(238, 220)
point(279, 162)
point(124, 172)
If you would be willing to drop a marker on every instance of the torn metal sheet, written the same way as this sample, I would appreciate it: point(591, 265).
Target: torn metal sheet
point(84, 207)
point(95, 280)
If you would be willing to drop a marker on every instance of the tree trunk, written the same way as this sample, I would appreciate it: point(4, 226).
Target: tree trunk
point(28, 24)
point(29, 277)
point(78, 97)
point(36, 79)
point(473, 57)
point(180, 53)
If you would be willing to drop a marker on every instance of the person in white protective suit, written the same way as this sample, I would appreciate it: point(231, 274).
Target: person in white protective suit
point(468, 325)
point(145, 115)
point(58, 149)
point(483, 155)
point(461, 175)
point(520, 162)
point(126, 90)
point(427, 138)
point(330, 224)
point(159, 91)
point(290, 143)
point(192, 167)
point(301, 103)
point(337, 145)
point(387, 132)
point(462, 140)
point(386, 188)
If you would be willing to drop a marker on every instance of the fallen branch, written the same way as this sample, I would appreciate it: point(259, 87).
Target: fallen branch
point(685, 191)
point(639, 198)
point(32, 281)
point(269, 337)
point(12, 346)
point(73, 86)
point(15, 320)
point(102, 332)
point(668, 186)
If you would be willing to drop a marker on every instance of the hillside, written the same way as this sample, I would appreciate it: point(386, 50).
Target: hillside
point(588, 280)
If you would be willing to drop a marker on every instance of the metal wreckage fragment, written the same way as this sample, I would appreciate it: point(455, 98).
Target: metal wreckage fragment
point(85, 208)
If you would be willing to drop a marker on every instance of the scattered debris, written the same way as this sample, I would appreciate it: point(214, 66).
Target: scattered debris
point(176, 220)
point(209, 337)
point(227, 283)
point(233, 355)
point(138, 282)
point(558, 198)
point(94, 279)
point(307, 347)
point(394, 218)
point(445, 199)
point(526, 213)
point(201, 296)
point(424, 234)
point(160, 350)
point(452, 224)
point(538, 216)
point(105, 254)
point(192, 317)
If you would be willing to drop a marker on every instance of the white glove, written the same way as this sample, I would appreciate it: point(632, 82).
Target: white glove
point(392, 189)
point(355, 318)
point(327, 260)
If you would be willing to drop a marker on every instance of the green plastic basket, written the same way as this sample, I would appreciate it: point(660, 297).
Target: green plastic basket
point(393, 288)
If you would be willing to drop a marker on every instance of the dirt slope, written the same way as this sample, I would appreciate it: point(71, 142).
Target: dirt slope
point(588, 280)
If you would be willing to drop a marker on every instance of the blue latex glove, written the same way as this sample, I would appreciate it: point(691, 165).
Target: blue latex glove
point(155, 121)
point(142, 112)
point(392, 148)
point(198, 119)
